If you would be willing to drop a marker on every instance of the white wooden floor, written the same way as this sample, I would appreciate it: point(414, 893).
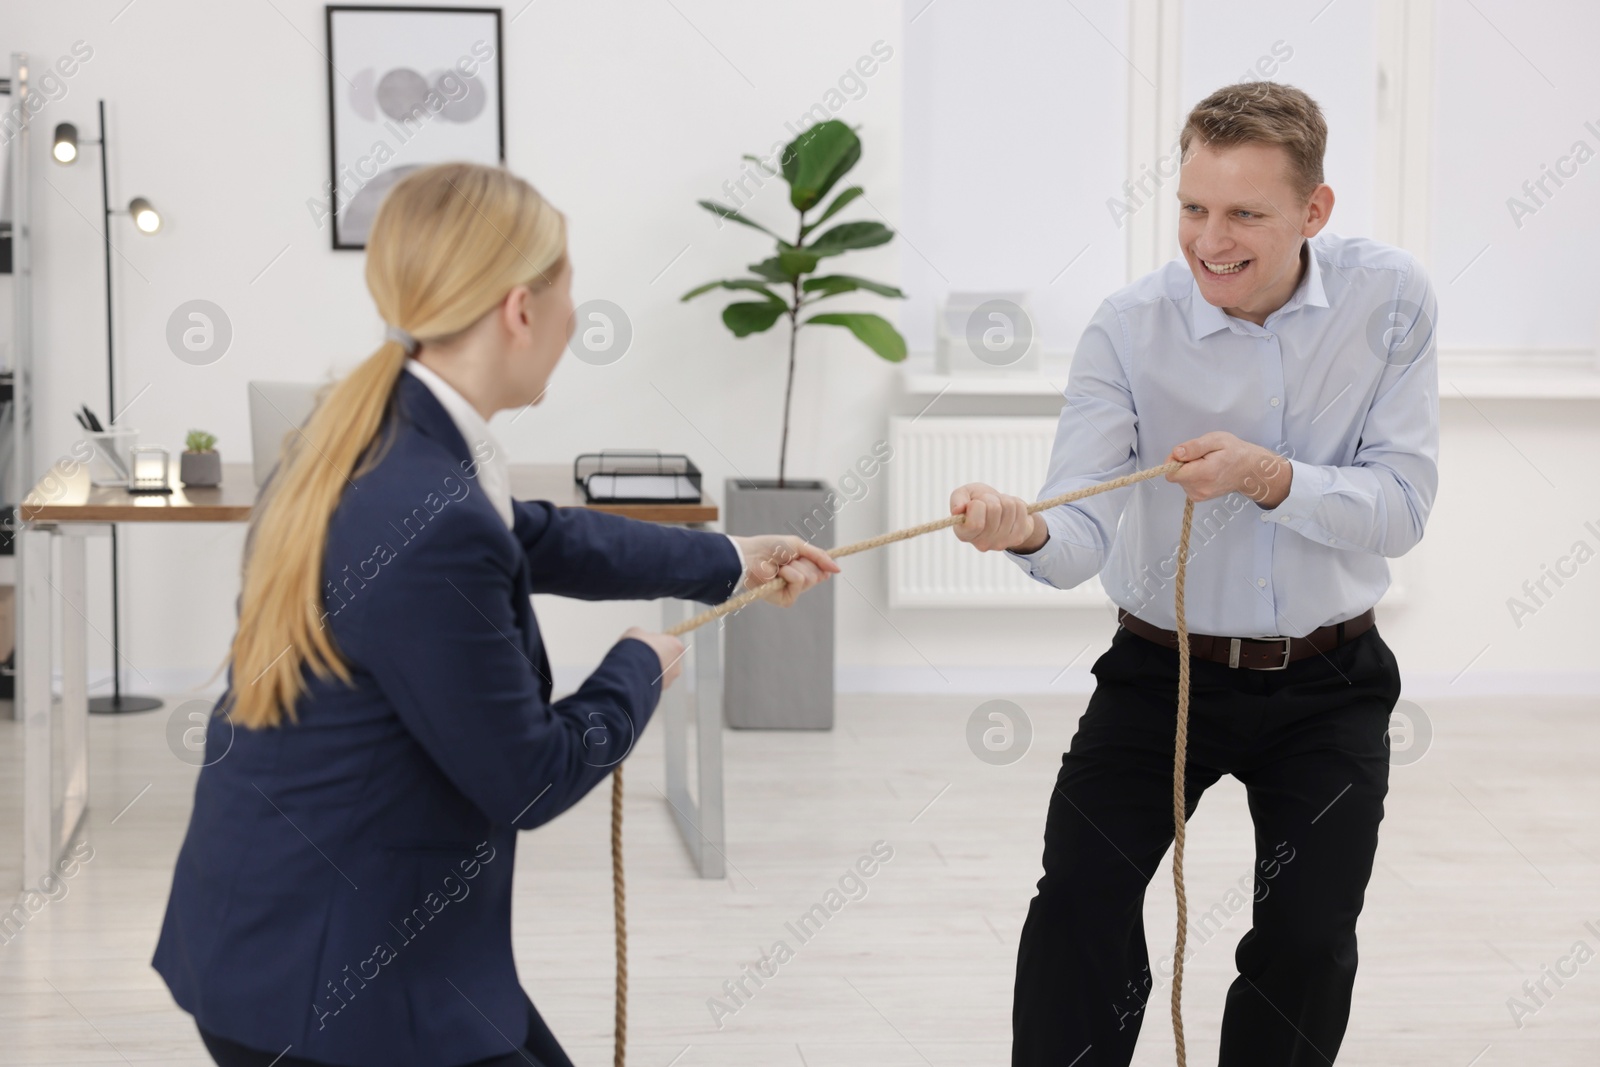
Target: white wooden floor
point(1489, 867)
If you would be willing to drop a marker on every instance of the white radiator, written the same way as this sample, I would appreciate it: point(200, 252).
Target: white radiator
point(932, 456)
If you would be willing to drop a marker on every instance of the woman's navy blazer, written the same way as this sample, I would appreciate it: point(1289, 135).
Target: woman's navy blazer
point(345, 884)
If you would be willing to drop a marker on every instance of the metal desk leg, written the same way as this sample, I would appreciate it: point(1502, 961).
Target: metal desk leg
point(54, 798)
point(74, 708)
point(699, 816)
point(35, 628)
point(708, 717)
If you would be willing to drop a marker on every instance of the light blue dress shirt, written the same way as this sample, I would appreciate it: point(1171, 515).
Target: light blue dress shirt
point(1342, 380)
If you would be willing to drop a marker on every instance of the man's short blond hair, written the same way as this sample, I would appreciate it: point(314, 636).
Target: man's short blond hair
point(1263, 112)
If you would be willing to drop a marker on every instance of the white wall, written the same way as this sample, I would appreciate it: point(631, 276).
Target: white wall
point(624, 115)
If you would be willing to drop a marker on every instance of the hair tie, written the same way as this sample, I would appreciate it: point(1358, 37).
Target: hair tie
point(404, 339)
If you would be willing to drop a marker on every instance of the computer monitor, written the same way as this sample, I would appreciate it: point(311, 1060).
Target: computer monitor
point(277, 409)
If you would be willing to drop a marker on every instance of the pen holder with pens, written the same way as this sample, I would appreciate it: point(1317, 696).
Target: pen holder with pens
point(637, 477)
point(112, 462)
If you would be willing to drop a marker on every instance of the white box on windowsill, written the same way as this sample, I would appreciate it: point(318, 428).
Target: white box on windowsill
point(987, 334)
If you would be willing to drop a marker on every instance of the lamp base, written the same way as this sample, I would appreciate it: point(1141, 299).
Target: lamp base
point(122, 705)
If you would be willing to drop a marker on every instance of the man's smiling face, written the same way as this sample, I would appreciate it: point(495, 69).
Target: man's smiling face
point(1241, 224)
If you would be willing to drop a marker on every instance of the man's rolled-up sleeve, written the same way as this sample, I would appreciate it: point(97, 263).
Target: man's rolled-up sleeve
point(1380, 502)
point(1095, 442)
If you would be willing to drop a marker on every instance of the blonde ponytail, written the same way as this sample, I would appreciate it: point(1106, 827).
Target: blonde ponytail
point(447, 244)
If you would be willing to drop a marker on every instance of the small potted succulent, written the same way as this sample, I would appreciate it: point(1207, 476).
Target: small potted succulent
point(201, 463)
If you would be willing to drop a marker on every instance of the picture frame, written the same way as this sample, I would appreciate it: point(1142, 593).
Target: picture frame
point(407, 87)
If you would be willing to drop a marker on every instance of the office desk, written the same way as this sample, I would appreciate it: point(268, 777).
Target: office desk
point(61, 513)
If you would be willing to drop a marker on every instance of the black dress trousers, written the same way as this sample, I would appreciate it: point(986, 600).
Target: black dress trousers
point(1309, 742)
point(539, 1049)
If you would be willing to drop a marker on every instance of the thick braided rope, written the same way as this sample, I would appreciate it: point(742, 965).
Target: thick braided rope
point(619, 901)
point(1180, 755)
point(749, 596)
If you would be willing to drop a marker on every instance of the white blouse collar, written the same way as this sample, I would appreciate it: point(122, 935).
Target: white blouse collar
point(494, 475)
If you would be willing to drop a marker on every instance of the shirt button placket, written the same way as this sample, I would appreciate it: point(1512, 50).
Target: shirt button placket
point(1274, 423)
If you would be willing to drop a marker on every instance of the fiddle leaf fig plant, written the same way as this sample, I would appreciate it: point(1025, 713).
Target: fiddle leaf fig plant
point(812, 165)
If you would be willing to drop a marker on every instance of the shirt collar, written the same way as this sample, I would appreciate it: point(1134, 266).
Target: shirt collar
point(493, 471)
point(1205, 318)
point(471, 424)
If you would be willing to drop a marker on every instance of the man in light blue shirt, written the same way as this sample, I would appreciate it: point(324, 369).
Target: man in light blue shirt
point(1293, 372)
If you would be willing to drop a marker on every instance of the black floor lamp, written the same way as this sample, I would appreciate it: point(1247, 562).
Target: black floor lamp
point(145, 220)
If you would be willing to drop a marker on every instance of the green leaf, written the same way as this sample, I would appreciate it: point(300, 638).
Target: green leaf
point(736, 283)
point(848, 235)
point(833, 209)
point(834, 284)
point(797, 261)
point(818, 158)
point(745, 319)
point(770, 269)
point(723, 212)
point(873, 331)
point(787, 265)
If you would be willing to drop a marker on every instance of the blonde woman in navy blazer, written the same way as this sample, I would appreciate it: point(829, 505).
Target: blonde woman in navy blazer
point(343, 895)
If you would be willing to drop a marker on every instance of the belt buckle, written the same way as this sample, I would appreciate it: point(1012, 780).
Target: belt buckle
point(1233, 652)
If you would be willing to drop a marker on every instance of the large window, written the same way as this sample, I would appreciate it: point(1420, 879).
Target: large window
point(1326, 49)
point(1467, 131)
point(1015, 139)
point(1516, 175)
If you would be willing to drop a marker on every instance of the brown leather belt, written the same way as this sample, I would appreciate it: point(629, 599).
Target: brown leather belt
point(1255, 653)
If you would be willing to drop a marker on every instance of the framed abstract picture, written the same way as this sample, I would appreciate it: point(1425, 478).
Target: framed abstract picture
point(407, 87)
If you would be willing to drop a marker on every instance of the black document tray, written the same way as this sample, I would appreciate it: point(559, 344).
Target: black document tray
point(636, 477)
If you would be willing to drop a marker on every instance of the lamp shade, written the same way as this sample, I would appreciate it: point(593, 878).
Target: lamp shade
point(145, 216)
point(65, 148)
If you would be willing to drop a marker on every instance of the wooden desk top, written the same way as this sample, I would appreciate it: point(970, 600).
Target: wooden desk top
point(73, 499)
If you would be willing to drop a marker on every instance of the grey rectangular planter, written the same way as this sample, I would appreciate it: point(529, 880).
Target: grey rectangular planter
point(200, 469)
point(779, 661)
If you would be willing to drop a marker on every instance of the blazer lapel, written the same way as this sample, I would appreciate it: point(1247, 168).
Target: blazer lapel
point(419, 407)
